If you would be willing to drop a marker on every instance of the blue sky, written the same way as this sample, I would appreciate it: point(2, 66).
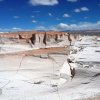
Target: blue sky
point(17, 15)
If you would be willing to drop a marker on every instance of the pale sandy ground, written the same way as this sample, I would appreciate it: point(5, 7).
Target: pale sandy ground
point(34, 78)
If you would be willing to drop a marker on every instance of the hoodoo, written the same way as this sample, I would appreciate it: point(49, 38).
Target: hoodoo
point(70, 40)
point(68, 69)
point(44, 39)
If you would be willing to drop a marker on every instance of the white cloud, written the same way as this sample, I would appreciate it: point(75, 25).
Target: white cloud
point(40, 28)
point(49, 14)
point(82, 9)
point(62, 26)
point(44, 2)
point(85, 17)
point(58, 19)
point(16, 17)
point(34, 21)
point(79, 26)
point(16, 28)
point(12, 29)
point(66, 15)
point(32, 16)
point(4, 30)
point(77, 10)
point(72, 0)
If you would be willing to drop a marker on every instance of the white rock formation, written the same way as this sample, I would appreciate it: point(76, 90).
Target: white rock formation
point(68, 70)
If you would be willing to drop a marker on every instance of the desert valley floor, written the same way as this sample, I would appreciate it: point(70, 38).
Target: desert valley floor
point(37, 78)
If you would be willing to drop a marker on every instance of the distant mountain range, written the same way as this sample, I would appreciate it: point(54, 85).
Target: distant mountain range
point(82, 32)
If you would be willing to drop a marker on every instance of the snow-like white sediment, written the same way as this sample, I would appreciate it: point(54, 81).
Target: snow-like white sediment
point(37, 79)
point(89, 54)
point(8, 48)
point(90, 51)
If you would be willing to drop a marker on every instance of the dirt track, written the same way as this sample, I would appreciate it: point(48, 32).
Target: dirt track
point(39, 51)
